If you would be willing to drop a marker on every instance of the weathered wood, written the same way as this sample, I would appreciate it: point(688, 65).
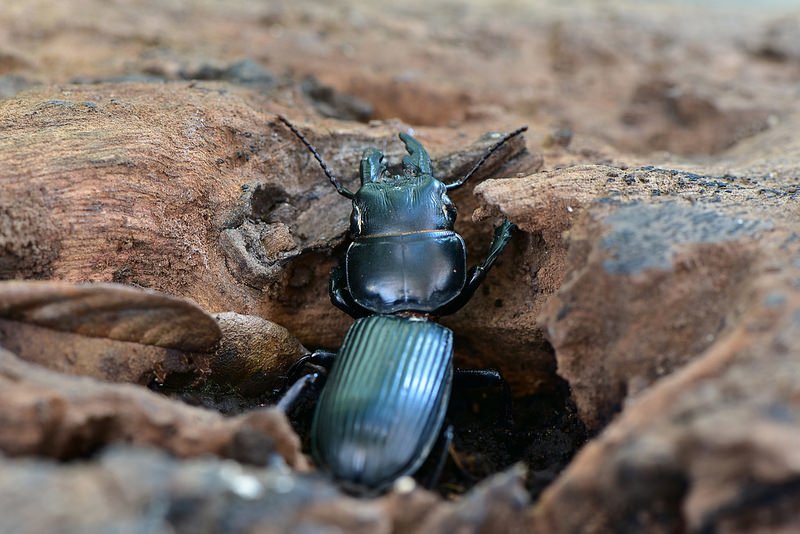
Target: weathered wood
point(190, 189)
point(43, 412)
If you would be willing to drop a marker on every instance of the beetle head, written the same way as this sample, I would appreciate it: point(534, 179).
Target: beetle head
point(390, 203)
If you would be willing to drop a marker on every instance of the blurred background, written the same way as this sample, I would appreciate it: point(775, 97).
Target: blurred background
point(653, 78)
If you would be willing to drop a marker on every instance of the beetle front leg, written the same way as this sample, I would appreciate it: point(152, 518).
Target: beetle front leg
point(502, 235)
point(476, 275)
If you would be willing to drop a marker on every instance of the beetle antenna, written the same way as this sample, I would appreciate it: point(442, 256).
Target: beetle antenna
point(495, 148)
point(342, 190)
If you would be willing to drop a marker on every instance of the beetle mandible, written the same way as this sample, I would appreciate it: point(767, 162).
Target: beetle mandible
point(384, 401)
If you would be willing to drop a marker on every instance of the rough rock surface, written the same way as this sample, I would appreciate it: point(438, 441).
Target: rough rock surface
point(118, 333)
point(626, 239)
point(45, 413)
point(107, 331)
point(105, 359)
point(110, 311)
point(710, 448)
point(146, 491)
point(252, 345)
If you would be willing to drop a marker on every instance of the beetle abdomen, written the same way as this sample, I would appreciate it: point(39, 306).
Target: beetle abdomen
point(385, 400)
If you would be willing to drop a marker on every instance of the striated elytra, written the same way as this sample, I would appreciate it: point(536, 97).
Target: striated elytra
point(378, 416)
point(384, 402)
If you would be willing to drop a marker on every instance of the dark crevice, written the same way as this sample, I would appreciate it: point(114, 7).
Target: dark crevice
point(544, 431)
point(544, 434)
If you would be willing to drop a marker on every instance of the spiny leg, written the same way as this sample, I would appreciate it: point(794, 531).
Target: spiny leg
point(502, 236)
point(342, 190)
point(296, 392)
point(319, 360)
point(495, 148)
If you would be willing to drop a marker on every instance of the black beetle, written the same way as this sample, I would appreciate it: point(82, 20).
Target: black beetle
point(384, 402)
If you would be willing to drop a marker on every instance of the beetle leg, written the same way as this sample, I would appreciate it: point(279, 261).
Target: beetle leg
point(443, 445)
point(502, 235)
point(320, 361)
point(340, 295)
point(476, 275)
point(298, 390)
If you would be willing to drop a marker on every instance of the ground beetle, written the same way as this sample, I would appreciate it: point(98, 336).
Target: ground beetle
point(384, 401)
